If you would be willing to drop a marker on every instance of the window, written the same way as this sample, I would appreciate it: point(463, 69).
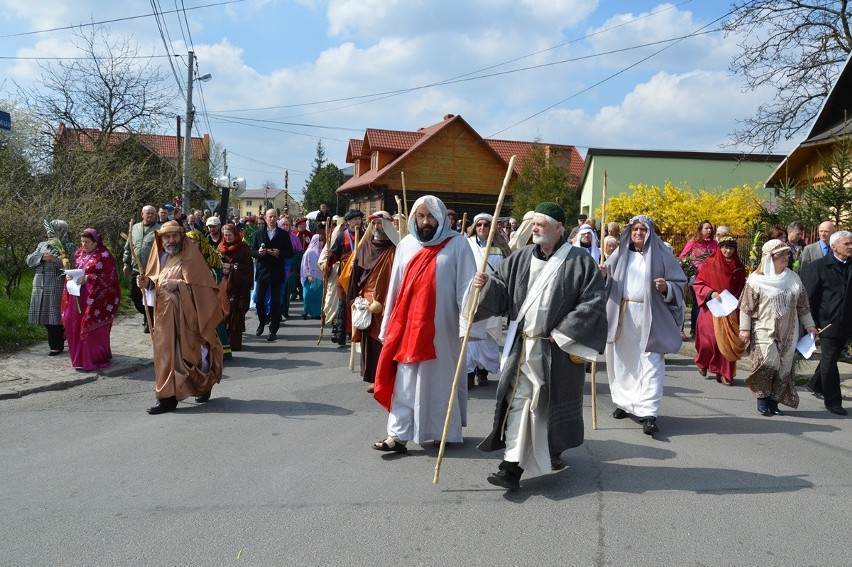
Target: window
point(374, 165)
point(248, 203)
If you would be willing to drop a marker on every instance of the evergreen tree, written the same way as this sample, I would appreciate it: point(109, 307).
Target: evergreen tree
point(540, 180)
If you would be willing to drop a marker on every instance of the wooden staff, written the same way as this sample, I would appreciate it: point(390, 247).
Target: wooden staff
point(404, 195)
point(326, 275)
point(464, 222)
point(138, 263)
point(595, 362)
point(352, 343)
point(471, 313)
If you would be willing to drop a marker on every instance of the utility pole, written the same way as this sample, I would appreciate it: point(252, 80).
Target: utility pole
point(187, 139)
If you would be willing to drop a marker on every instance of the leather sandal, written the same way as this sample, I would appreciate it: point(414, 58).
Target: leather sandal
point(392, 447)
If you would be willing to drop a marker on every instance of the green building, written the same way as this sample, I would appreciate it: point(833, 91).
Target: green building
point(710, 171)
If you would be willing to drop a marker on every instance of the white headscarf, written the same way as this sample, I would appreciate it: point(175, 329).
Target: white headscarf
point(439, 211)
point(770, 282)
point(595, 250)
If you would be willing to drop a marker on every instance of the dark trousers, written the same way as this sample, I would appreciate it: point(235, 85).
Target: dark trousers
point(55, 337)
point(273, 318)
point(693, 315)
point(136, 297)
point(826, 379)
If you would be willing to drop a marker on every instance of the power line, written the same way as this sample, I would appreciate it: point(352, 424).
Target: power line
point(71, 27)
point(168, 48)
point(473, 75)
point(699, 31)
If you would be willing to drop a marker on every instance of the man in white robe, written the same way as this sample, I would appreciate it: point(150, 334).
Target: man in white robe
point(483, 356)
point(414, 377)
point(554, 295)
point(644, 312)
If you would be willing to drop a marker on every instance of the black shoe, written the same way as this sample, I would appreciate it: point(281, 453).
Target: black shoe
point(556, 463)
point(481, 377)
point(845, 357)
point(163, 406)
point(259, 330)
point(271, 338)
point(145, 327)
point(763, 407)
point(504, 479)
point(304, 316)
point(773, 408)
point(619, 413)
point(836, 410)
point(205, 398)
point(817, 394)
point(471, 380)
point(649, 426)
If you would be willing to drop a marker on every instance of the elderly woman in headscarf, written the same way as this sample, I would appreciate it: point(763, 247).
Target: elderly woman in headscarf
point(717, 343)
point(238, 276)
point(88, 317)
point(214, 262)
point(311, 277)
point(772, 306)
point(49, 259)
point(644, 314)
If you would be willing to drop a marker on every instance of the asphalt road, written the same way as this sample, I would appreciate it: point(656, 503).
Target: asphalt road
point(277, 470)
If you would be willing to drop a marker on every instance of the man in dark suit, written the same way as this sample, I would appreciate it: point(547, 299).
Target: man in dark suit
point(271, 247)
point(830, 294)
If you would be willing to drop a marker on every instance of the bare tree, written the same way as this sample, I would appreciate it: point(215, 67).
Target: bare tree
point(109, 88)
point(797, 47)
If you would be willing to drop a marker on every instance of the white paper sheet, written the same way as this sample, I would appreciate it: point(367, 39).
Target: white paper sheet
point(806, 345)
point(71, 285)
point(723, 305)
point(148, 297)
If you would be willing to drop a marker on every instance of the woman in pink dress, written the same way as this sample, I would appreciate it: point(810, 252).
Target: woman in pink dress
point(88, 317)
point(698, 249)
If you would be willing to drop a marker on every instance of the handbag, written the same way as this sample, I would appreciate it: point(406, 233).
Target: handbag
point(362, 317)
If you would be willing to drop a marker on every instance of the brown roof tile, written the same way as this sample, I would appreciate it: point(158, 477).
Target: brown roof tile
point(165, 146)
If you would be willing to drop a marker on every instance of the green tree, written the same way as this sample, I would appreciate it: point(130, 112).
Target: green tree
point(321, 186)
point(540, 180)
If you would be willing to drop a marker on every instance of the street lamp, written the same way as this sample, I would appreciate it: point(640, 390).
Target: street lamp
point(187, 139)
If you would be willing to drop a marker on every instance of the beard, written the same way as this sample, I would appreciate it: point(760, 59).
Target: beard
point(426, 232)
point(379, 233)
point(173, 249)
point(540, 239)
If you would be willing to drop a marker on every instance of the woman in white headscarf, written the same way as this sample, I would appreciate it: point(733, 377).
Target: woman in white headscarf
point(772, 306)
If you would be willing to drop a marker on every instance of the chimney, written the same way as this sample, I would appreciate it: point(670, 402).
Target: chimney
point(448, 116)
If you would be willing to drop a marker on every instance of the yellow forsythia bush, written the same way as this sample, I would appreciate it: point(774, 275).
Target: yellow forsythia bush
point(679, 210)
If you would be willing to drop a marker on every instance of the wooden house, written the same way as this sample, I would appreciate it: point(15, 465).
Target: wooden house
point(449, 160)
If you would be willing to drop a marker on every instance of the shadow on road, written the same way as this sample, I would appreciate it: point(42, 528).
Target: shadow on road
point(283, 408)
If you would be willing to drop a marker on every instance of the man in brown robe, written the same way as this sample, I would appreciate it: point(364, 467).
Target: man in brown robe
point(370, 278)
point(188, 359)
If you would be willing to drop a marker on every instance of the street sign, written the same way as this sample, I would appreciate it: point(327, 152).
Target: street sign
point(211, 204)
point(5, 121)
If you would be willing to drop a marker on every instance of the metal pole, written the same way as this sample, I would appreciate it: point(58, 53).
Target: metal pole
point(187, 139)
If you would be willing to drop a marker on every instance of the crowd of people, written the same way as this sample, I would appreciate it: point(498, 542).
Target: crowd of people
point(400, 292)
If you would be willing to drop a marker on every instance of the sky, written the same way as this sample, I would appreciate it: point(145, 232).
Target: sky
point(290, 73)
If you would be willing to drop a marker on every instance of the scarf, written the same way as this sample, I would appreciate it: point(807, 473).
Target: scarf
point(104, 293)
point(410, 334)
point(721, 273)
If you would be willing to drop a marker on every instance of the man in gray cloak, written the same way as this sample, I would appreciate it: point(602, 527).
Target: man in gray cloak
point(553, 293)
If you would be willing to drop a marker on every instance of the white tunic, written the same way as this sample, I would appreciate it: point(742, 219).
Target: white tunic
point(422, 390)
point(636, 378)
point(485, 353)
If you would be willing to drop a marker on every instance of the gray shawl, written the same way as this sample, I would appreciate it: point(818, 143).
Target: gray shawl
point(663, 319)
